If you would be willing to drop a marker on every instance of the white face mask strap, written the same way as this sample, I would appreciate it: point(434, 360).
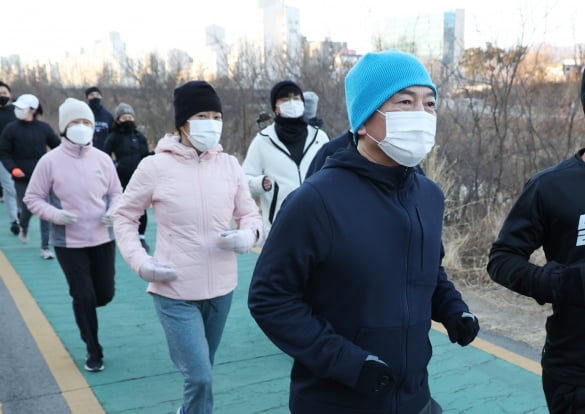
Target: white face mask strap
point(372, 138)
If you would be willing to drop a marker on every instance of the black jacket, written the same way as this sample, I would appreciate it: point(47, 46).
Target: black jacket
point(23, 143)
point(6, 116)
point(103, 123)
point(550, 213)
point(128, 148)
point(338, 143)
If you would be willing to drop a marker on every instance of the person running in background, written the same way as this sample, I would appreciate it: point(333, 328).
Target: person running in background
point(278, 157)
point(128, 146)
point(22, 143)
point(76, 188)
point(103, 117)
point(311, 104)
point(8, 191)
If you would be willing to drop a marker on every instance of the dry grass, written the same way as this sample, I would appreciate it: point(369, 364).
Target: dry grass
point(467, 243)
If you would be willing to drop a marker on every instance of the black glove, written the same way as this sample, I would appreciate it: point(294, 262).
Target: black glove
point(375, 377)
point(571, 284)
point(462, 328)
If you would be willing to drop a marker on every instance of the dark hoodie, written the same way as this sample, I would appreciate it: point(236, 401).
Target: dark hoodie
point(6, 116)
point(351, 268)
point(129, 147)
point(103, 122)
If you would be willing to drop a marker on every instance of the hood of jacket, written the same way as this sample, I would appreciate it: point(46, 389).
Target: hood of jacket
point(387, 178)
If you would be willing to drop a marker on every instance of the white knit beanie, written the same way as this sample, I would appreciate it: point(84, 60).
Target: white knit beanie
point(73, 109)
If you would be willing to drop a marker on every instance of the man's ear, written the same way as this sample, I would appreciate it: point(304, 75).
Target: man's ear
point(360, 132)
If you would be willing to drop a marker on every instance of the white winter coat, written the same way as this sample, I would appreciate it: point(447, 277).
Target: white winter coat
point(268, 156)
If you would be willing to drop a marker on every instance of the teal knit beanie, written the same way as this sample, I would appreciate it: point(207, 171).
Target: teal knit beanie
point(376, 77)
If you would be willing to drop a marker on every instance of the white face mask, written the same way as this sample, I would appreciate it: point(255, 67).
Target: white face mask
point(292, 109)
point(204, 133)
point(79, 134)
point(21, 113)
point(410, 136)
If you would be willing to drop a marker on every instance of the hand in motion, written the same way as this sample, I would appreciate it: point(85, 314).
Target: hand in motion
point(18, 173)
point(374, 378)
point(108, 218)
point(571, 284)
point(266, 183)
point(153, 271)
point(239, 241)
point(462, 328)
point(64, 217)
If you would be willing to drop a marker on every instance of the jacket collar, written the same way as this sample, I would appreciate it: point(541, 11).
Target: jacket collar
point(75, 150)
point(391, 178)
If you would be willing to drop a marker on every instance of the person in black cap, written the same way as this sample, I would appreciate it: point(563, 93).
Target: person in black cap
point(550, 213)
point(103, 117)
point(197, 191)
point(278, 157)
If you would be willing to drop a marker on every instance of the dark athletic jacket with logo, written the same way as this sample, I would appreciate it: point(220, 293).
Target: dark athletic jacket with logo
point(351, 268)
point(550, 213)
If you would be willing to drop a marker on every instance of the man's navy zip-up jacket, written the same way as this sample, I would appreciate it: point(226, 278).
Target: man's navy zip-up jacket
point(352, 268)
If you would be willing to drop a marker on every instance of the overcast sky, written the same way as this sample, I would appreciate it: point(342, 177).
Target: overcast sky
point(53, 27)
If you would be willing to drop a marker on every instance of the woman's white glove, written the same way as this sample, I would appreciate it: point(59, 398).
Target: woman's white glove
point(64, 217)
point(108, 218)
point(153, 271)
point(239, 241)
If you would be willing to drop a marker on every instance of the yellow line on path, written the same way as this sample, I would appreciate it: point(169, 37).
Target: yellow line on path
point(500, 352)
point(76, 391)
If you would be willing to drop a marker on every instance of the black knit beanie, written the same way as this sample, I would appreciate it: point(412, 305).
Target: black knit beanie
point(194, 97)
point(92, 89)
point(282, 90)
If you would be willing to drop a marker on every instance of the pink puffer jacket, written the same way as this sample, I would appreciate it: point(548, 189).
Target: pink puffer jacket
point(194, 198)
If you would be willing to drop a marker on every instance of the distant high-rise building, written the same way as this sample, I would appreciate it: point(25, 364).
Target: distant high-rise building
point(282, 32)
point(435, 36)
point(216, 41)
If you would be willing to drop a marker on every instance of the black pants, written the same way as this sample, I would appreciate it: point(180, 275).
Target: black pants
point(24, 214)
point(90, 275)
point(563, 398)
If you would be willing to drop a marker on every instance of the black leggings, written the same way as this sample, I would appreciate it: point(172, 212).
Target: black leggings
point(90, 275)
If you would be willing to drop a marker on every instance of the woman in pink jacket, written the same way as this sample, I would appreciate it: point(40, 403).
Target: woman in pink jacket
point(197, 193)
point(75, 187)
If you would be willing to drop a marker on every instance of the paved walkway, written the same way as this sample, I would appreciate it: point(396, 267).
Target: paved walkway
point(250, 376)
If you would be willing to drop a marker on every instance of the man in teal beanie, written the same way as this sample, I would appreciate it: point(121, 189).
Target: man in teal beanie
point(351, 273)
